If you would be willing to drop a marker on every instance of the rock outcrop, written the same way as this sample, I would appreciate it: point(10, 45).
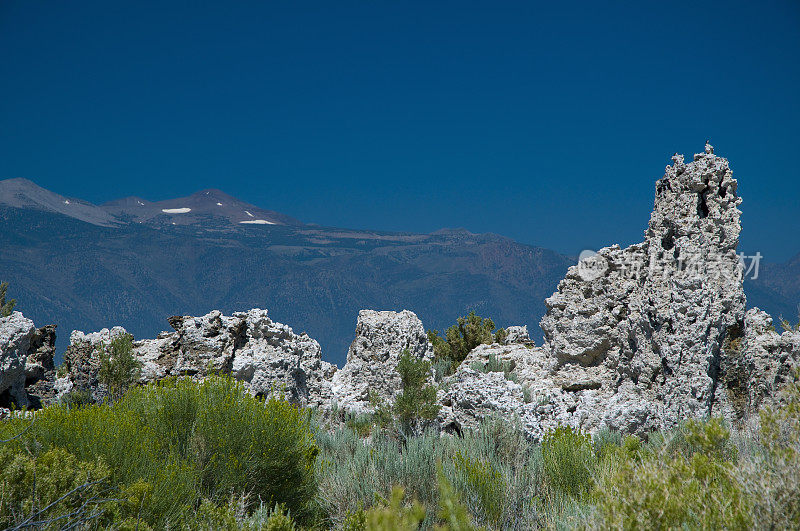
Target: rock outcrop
point(381, 338)
point(758, 363)
point(26, 358)
point(16, 333)
point(469, 396)
point(82, 363)
point(517, 334)
point(39, 361)
point(643, 327)
point(639, 338)
point(265, 355)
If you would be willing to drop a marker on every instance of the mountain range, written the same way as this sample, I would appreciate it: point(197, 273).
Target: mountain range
point(133, 262)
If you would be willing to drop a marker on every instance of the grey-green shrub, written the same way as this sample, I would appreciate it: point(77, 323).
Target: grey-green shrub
point(352, 471)
point(770, 470)
point(75, 399)
point(275, 518)
point(494, 364)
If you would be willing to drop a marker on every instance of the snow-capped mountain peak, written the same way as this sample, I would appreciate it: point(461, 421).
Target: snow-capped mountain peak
point(210, 208)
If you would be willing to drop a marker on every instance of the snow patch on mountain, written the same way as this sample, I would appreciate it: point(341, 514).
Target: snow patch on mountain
point(183, 210)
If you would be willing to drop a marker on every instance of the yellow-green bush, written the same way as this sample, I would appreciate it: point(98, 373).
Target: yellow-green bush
point(394, 515)
point(770, 475)
point(55, 487)
point(483, 485)
point(568, 461)
point(665, 489)
point(183, 442)
point(452, 515)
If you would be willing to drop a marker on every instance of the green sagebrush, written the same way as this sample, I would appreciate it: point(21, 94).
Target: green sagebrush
point(493, 472)
point(119, 366)
point(462, 337)
point(183, 442)
point(6, 307)
point(414, 406)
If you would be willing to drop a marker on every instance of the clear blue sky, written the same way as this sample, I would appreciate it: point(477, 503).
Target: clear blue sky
point(545, 122)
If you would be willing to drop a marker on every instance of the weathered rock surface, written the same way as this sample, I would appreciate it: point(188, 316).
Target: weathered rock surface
point(265, 355)
point(40, 354)
point(643, 327)
point(517, 334)
point(16, 333)
point(758, 364)
point(26, 360)
point(82, 362)
point(381, 338)
point(645, 337)
point(469, 396)
point(637, 339)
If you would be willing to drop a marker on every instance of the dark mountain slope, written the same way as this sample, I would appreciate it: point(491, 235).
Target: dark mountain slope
point(205, 206)
point(83, 276)
point(777, 289)
point(130, 263)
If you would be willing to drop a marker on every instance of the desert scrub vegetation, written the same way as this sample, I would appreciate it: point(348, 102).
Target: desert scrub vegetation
point(700, 475)
point(460, 338)
point(491, 470)
point(6, 307)
point(172, 447)
point(682, 482)
point(119, 367)
point(53, 488)
point(770, 472)
point(189, 455)
point(413, 408)
point(494, 364)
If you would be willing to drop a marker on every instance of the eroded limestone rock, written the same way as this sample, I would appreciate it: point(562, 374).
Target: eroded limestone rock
point(265, 355)
point(517, 334)
point(644, 326)
point(381, 338)
point(16, 334)
point(758, 363)
point(636, 337)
